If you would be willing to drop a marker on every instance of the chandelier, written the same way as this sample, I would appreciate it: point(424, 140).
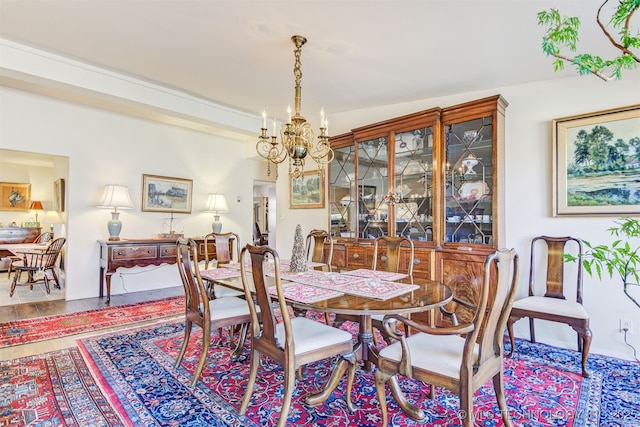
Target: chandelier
point(296, 136)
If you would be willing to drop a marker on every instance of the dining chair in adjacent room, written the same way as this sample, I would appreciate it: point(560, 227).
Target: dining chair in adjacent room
point(41, 238)
point(461, 358)
point(259, 239)
point(315, 243)
point(546, 298)
point(291, 342)
point(38, 261)
point(200, 310)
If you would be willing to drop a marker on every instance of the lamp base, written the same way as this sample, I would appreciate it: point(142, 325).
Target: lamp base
point(217, 225)
point(114, 226)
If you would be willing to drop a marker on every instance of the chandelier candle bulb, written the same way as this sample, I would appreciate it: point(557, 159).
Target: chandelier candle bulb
point(264, 119)
point(274, 127)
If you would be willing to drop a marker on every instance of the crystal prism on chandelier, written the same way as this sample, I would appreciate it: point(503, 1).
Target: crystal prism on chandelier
point(296, 136)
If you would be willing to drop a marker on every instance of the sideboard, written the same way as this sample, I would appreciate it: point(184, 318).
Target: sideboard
point(16, 235)
point(128, 253)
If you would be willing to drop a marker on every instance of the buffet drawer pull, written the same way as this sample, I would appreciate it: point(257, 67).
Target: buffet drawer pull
point(356, 256)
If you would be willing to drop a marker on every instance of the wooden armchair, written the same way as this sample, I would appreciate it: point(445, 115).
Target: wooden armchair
point(553, 305)
point(41, 238)
point(460, 358)
point(293, 342)
point(38, 261)
point(208, 314)
point(315, 247)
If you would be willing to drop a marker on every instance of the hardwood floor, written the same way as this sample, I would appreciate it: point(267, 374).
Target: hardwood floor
point(60, 306)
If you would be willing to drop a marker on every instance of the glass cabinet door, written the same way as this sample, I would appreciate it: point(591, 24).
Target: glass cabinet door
point(342, 193)
point(413, 182)
point(468, 181)
point(372, 186)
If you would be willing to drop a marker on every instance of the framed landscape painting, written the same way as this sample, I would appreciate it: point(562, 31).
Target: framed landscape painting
point(596, 160)
point(166, 194)
point(306, 191)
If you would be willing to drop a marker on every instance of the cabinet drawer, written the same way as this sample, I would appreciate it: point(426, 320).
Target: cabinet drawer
point(168, 251)
point(357, 257)
point(128, 253)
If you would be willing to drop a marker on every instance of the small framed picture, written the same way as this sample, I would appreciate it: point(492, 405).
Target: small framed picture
point(166, 194)
point(596, 160)
point(15, 196)
point(58, 195)
point(306, 191)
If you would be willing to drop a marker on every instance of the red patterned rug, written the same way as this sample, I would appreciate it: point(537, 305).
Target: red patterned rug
point(543, 388)
point(62, 325)
point(53, 389)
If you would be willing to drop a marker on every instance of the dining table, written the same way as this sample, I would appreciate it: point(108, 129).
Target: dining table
point(363, 293)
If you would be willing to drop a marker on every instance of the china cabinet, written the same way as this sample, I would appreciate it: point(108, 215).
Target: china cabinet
point(432, 176)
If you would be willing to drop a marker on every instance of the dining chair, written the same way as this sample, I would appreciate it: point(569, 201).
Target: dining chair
point(391, 262)
point(38, 261)
point(290, 341)
point(41, 238)
point(200, 310)
point(226, 250)
point(258, 238)
point(460, 358)
point(315, 243)
point(546, 298)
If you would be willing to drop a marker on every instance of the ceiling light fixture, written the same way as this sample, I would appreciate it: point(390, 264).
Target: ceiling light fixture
point(297, 136)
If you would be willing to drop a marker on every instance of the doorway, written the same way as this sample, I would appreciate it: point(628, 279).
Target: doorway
point(264, 209)
point(39, 172)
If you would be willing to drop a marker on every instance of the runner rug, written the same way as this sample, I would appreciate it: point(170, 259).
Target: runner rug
point(62, 325)
point(543, 387)
point(53, 389)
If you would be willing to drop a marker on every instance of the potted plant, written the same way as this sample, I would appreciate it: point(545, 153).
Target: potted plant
point(622, 257)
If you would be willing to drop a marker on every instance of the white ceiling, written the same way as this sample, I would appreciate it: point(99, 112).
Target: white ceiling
point(359, 54)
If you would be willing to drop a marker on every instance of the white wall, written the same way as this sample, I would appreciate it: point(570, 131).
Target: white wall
point(528, 172)
point(105, 147)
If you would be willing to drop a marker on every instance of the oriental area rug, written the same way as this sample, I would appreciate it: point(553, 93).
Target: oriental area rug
point(543, 386)
point(53, 389)
point(62, 325)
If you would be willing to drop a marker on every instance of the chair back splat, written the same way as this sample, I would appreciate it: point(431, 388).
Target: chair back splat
point(293, 341)
point(461, 358)
point(316, 240)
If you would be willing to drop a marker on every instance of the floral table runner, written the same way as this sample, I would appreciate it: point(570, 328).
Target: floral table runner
point(219, 273)
point(305, 294)
point(376, 274)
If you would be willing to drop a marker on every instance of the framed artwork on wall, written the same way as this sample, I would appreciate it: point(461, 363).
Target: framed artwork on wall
point(306, 191)
point(58, 195)
point(596, 161)
point(166, 194)
point(15, 196)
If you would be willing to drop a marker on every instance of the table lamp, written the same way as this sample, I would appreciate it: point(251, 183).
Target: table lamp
point(217, 203)
point(115, 196)
point(51, 217)
point(36, 206)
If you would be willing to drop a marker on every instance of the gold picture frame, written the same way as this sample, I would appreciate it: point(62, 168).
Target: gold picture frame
point(58, 195)
point(306, 191)
point(15, 196)
point(596, 161)
point(166, 194)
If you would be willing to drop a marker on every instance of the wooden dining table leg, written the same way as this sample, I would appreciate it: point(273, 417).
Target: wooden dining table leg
point(338, 371)
point(365, 338)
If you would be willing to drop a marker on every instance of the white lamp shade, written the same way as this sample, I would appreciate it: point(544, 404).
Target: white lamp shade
point(52, 217)
point(116, 196)
point(217, 203)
